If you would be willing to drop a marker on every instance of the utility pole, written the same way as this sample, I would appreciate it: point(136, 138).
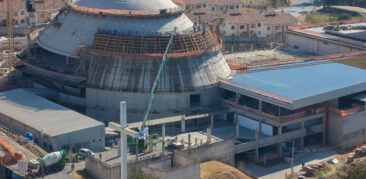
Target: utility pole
point(292, 158)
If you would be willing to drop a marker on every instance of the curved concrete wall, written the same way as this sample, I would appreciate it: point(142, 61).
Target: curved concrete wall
point(103, 105)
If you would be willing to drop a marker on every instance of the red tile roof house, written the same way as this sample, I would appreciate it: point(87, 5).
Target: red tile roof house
point(44, 9)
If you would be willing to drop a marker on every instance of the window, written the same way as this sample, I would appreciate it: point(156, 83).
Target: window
point(222, 8)
point(231, 7)
point(22, 21)
point(268, 28)
point(1, 14)
point(15, 14)
point(237, 6)
point(253, 26)
point(21, 12)
point(198, 6)
point(195, 100)
point(93, 140)
point(42, 15)
point(213, 8)
point(259, 32)
point(187, 7)
point(277, 28)
point(232, 27)
point(259, 24)
point(241, 27)
point(203, 5)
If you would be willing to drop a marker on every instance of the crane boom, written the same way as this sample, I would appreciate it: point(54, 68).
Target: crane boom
point(142, 132)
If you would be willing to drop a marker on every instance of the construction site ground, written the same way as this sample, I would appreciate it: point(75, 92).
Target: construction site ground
point(218, 170)
point(358, 61)
point(264, 56)
point(280, 170)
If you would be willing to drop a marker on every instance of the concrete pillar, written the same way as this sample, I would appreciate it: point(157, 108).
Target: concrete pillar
point(183, 125)
point(302, 137)
point(237, 129)
point(208, 135)
point(163, 131)
point(189, 141)
point(257, 147)
point(280, 144)
point(324, 131)
point(212, 121)
point(123, 122)
point(195, 141)
point(137, 150)
point(260, 128)
point(119, 148)
point(150, 144)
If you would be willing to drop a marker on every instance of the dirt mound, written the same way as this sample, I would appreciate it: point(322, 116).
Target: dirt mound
point(218, 170)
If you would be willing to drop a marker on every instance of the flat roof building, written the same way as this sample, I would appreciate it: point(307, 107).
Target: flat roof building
point(308, 103)
point(53, 126)
point(328, 38)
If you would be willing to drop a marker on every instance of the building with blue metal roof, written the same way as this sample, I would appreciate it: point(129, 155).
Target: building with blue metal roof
point(308, 103)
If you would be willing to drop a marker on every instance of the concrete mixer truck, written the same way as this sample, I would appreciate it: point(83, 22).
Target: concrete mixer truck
point(51, 161)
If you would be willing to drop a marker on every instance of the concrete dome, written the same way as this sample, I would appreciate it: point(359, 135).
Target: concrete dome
point(139, 5)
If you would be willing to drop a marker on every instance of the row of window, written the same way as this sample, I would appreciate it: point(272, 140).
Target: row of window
point(214, 8)
point(254, 25)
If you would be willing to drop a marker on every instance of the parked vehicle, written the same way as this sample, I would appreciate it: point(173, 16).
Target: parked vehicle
point(83, 152)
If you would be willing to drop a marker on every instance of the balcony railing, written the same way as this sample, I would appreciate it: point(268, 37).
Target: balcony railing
point(272, 117)
point(347, 111)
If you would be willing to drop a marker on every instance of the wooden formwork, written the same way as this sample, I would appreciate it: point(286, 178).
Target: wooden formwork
point(154, 45)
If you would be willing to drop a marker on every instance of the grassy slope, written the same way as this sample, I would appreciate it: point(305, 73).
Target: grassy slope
point(218, 170)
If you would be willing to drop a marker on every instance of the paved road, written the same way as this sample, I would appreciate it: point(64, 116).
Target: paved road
point(299, 7)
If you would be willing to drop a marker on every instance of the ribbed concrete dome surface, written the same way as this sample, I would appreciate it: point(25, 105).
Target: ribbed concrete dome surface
point(141, 5)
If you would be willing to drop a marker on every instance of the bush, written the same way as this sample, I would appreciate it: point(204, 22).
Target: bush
point(344, 16)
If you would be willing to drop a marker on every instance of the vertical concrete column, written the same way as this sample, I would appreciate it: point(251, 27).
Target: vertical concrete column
point(150, 144)
point(189, 141)
point(183, 124)
point(208, 135)
point(163, 131)
point(137, 149)
point(237, 129)
point(257, 147)
point(280, 143)
point(123, 122)
point(212, 121)
point(324, 131)
point(260, 128)
point(237, 97)
point(302, 137)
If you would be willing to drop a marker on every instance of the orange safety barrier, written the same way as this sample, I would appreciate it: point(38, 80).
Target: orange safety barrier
point(170, 55)
point(15, 155)
point(348, 111)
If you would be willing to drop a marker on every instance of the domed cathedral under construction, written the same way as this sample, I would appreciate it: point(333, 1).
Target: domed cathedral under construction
point(97, 53)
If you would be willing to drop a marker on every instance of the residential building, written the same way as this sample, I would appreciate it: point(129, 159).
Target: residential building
point(44, 9)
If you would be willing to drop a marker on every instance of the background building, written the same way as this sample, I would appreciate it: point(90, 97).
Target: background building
point(53, 126)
